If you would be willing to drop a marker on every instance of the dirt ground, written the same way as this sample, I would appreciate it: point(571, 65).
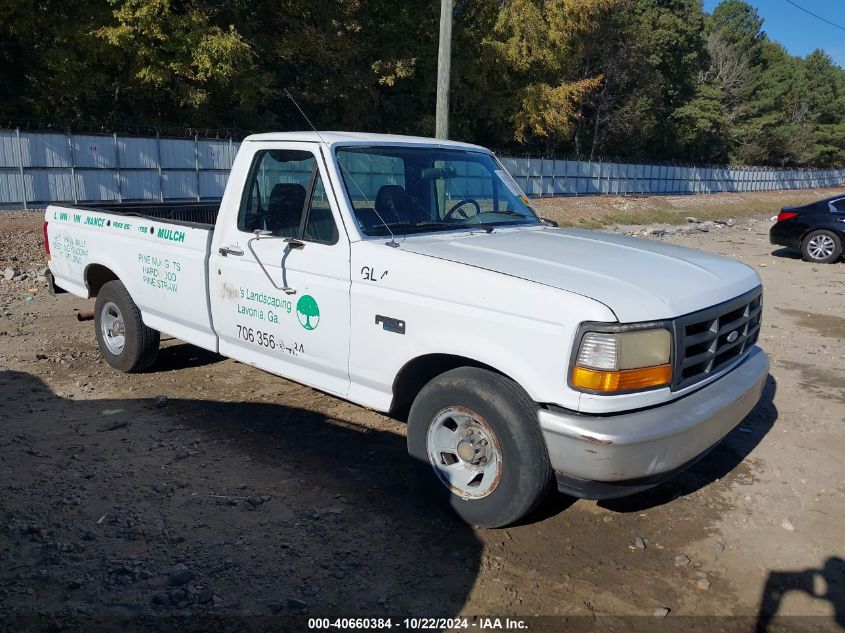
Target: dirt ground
point(603, 211)
point(282, 501)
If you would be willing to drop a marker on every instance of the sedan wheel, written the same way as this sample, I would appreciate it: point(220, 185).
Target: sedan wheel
point(822, 247)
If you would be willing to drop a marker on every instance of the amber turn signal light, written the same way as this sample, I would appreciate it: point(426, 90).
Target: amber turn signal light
point(624, 380)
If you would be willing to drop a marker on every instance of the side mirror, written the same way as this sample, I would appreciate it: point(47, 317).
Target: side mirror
point(548, 222)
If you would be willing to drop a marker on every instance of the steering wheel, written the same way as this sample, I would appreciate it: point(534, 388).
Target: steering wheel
point(457, 206)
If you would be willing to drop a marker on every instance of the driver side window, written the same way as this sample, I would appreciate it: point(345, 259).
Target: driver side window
point(277, 191)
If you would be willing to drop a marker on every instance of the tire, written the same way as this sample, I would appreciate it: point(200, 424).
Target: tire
point(821, 247)
point(504, 445)
point(115, 312)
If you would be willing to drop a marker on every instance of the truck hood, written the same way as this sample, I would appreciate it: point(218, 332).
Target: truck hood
point(638, 279)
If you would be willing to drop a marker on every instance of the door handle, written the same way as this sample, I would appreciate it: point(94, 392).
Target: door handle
point(231, 250)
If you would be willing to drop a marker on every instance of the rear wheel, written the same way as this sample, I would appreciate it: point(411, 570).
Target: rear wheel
point(124, 341)
point(822, 247)
point(476, 444)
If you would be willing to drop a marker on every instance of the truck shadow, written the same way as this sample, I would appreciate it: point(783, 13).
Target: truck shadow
point(277, 511)
point(827, 583)
point(182, 356)
point(721, 462)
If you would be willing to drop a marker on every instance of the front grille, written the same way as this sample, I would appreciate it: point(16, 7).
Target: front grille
point(705, 343)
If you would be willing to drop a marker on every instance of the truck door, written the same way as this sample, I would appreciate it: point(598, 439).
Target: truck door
point(279, 280)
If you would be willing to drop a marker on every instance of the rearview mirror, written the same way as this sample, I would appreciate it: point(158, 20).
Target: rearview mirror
point(432, 173)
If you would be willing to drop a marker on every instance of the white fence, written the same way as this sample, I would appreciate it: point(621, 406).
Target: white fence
point(546, 177)
point(37, 168)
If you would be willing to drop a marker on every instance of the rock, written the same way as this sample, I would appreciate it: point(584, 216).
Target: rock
point(661, 612)
point(180, 575)
point(205, 596)
point(89, 536)
point(658, 232)
point(639, 542)
point(786, 525)
point(296, 604)
point(160, 401)
point(30, 357)
point(720, 547)
point(703, 584)
point(702, 227)
point(182, 454)
point(10, 273)
point(682, 560)
point(255, 501)
point(692, 220)
point(162, 599)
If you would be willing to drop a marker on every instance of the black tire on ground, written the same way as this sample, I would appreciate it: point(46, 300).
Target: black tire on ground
point(526, 474)
point(828, 236)
point(141, 342)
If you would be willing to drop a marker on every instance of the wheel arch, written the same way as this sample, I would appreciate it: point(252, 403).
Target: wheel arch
point(96, 276)
point(419, 371)
point(833, 229)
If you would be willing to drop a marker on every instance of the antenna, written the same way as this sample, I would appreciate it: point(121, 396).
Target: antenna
point(392, 241)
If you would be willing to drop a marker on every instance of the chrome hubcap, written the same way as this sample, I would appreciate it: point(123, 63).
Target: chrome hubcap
point(821, 247)
point(464, 452)
point(112, 328)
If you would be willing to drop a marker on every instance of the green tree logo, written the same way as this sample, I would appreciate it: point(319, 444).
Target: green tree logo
point(308, 312)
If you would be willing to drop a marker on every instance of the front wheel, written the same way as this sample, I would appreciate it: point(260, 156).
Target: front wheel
point(822, 247)
point(124, 341)
point(476, 443)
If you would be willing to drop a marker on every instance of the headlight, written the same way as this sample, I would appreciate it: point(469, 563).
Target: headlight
point(631, 360)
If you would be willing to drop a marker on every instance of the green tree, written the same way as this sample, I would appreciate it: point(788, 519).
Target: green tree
point(825, 103)
point(740, 26)
point(640, 80)
point(176, 55)
point(51, 68)
point(307, 307)
point(540, 42)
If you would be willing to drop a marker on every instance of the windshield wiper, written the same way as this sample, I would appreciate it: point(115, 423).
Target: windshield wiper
point(430, 225)
point(407, 226)
point(465, 226)
point(509, 212)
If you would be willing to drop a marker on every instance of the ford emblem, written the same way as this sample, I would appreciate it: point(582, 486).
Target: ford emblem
point(733, 336)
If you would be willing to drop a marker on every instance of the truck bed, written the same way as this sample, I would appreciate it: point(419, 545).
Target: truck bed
point(198, 213)
point(158, 250)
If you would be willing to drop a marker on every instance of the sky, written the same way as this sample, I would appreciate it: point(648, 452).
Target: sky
point(800, 33)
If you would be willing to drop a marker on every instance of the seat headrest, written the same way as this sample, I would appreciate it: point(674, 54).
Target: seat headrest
point(286, 197)
point(392, 198)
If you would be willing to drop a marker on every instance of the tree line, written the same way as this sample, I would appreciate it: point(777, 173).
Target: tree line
point(647, 80)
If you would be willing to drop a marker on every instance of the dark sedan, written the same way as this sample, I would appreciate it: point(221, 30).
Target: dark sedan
point(816, 229)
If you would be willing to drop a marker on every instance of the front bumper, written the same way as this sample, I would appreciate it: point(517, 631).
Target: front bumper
point(643, 448)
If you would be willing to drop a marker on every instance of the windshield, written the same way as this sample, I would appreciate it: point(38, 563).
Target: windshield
point(419, 189)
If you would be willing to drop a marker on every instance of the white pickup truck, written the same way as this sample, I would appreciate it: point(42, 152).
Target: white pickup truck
point(410, 275)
